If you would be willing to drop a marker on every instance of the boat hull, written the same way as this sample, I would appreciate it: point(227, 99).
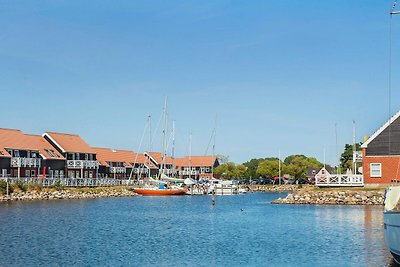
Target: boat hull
point(160, 192)
point(392, 233)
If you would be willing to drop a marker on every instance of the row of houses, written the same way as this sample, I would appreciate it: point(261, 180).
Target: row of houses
point(60, 155)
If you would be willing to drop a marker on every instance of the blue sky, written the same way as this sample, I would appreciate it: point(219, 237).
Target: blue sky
point(277, 75)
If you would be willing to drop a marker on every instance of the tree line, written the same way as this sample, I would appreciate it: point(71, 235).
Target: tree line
point(294, 165)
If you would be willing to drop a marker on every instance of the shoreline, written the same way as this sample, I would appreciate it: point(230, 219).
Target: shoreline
point(334, 196)
point(70, 193)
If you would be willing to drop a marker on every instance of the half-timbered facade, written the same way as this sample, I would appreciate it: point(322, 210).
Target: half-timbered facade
point(81, 161)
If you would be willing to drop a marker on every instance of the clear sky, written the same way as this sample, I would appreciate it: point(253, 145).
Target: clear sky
point(275, 75)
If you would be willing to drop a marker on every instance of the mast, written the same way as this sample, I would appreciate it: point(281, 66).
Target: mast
point(279, 166)
point(190, 155)
point(164, 138)
point(354, 148)
point(150, 139)
point(173, 148)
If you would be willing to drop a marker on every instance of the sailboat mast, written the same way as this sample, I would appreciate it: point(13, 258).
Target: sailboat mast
point(164, 138)
point(190, 155)
point(279, 166)
point(354, 148)
point(173, 148)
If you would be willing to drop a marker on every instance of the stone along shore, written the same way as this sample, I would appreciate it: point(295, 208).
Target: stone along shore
point(333, 196)
point(76, 193)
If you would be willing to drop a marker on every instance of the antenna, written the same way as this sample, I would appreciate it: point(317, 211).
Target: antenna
point(392, 12)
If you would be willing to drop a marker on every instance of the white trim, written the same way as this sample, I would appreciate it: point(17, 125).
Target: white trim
point(151, 158)
point(380, 170)
point(380, 130)
point(54, 141)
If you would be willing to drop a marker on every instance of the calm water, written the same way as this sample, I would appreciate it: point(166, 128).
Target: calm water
point(186, 231)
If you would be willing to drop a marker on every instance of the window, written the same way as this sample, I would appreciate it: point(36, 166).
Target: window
point(86, 156)
point(33, 173)
point(16, 153)
point(27, 173)
point(376, 170)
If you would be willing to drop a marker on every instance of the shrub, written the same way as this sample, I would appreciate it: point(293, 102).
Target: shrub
point(35, 186)
point(3, 188)
point(58, 185)
point(20, 185)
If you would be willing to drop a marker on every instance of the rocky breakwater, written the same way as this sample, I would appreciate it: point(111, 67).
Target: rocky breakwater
point(333, 197)
point(68, 194)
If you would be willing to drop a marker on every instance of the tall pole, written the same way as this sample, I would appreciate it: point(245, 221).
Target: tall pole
point(354, 148)
point(337, 151)
point(164, 137)
point(150, 141)
point(279, 166)
point(190, 155)
point(173, 147)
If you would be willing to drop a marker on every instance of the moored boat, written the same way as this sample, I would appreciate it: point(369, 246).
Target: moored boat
point(160, 192)
point(391, 218)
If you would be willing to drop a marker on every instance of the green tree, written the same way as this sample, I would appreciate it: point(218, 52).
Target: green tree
point(269, 168)
point(230, 170)
point(346, 159)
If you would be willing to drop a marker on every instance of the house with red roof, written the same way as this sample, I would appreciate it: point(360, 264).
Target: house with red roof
point(122, 164)
point(196, 167)
point(165, 164)
point(81, 161)
point(26, 155)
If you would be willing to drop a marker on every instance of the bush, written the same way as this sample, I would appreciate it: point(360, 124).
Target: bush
point(20, 185)
point(58, 185)
point(3, 188)
point(35, 187)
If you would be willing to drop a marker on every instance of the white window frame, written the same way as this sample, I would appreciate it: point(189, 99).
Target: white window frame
point(372, 170)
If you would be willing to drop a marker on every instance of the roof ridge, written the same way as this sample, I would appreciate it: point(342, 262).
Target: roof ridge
point(62, 133)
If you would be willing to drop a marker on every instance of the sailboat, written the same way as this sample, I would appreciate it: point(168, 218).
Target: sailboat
point(391, 214)
point(162, 186)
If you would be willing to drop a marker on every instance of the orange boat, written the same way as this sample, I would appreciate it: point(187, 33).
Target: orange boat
point(159, 192)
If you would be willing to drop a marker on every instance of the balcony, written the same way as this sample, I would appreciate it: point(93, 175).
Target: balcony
point(117, 170)
point(189, 172)
point(17, 162)
point(140, 170)
point(82, 164)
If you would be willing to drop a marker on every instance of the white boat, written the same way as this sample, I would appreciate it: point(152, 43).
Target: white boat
point(224, 187)
point(391, 218)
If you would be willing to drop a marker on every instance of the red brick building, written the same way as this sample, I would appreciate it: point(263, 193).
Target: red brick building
point(381, 154)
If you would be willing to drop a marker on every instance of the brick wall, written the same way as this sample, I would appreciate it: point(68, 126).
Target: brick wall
point(390, 168)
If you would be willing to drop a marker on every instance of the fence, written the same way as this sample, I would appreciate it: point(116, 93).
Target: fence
point(340, 180)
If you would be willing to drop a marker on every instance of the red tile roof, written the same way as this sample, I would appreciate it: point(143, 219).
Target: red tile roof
point(195, 161)
point(70, 142)
point(16, 139)
point(128, 157)
point(157, 156)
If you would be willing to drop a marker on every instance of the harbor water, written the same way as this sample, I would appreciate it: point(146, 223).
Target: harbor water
point(240, 230)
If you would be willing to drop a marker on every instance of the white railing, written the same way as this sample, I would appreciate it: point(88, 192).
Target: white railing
point(117, 170)
point(189, 172)
point(82, 164)
point(71, 182)
point(340, 180)
point(140, 170)
point(25, 162)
